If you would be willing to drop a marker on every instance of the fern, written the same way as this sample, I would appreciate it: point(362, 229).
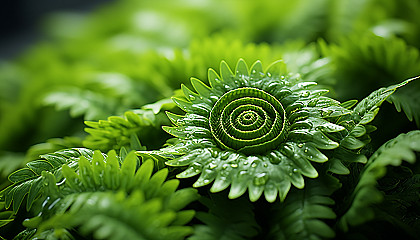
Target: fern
point(131, 130)
point(99, 179)
point(366, 193)
point(261, 130)
point(29, 181)
point(288, 131)
point(301, 215)
point(226, 219)
point(374, 58)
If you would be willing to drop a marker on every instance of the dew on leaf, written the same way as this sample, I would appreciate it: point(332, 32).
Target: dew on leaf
point(260, 179)
point(305, 94)
point(212, 165)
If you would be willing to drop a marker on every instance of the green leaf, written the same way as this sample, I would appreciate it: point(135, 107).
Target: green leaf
point(136, 130)
point(21, 175)
point(366, 194)
point(302, 213)
point(375, 99)
point(226, 219)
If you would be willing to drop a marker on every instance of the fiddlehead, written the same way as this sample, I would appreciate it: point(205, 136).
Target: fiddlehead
point(248, 120)
point(265, 131)
point(252, 130)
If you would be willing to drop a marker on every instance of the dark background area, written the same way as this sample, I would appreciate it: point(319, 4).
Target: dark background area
point(20, 19)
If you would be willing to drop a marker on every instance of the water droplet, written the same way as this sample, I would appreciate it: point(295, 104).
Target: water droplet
point(253, 165)
point(234, 165)
point(214, 153)
point(192, 97)
point(265, 165)
point(206, 181)
point(197, 170)
point(305, 94)
point(245, 162)
point(312, 103)
point(212, 165)
point(225, 166)
point(243, 172)
point(268, 74)
point(282, 77)
point(260, 179)
point(295, 170)
point(300, 145)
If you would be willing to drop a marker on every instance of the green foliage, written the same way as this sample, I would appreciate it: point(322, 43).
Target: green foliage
point(226, 219)
point(137, 126)
point(75, 185)
point(301, 215)
point(362, 61)
point(365, 194)
point(29, 181)
point(99, 84)
point(260, 130)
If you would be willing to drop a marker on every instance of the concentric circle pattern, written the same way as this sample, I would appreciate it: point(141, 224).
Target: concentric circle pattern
point(258, 130)
point(248, 120)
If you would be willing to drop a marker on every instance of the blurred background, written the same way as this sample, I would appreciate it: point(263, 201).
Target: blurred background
point(66, 62)
point(20, 21)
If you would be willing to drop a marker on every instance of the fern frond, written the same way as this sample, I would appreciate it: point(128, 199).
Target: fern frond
point(366, 193)
point(82, 102)
point(254, 130)
point(108, 215)
point(136, 130)
point(29, 181)
point(110, 193)
point(302, 214)
point(357, 131)
point(362, 61)
point(226, 219)
point(209, 52)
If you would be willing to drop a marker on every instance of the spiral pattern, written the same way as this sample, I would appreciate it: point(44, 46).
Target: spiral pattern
point(248, 120)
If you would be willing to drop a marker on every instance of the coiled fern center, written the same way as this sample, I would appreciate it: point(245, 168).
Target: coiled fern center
point(248, 120)
point(253, 130)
